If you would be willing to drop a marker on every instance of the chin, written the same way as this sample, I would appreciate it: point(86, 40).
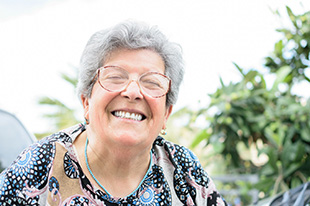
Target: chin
point(130, 140)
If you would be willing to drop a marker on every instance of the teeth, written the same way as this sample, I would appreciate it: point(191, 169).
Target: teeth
point(127, 115)
point(132, 116)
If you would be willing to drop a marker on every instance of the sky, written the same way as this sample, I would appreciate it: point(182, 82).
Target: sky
point(40, 39)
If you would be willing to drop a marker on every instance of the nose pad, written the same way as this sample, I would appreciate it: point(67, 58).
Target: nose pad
point(133, 91)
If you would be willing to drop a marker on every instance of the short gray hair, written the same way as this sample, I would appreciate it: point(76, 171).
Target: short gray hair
point(130, 35)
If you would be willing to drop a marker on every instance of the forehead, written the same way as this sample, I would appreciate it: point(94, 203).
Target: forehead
point(141, 60)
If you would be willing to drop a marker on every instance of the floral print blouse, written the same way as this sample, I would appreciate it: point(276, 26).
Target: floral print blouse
point(49, 173)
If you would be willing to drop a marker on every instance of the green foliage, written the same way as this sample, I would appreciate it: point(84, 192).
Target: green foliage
point(61, 115)
point(276, 123)
point(270, 120)
point(293, 49)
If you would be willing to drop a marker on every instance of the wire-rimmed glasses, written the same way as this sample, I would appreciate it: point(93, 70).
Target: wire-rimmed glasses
point(116, 79)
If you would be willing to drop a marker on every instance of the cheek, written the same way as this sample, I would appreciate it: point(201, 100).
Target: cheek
point(97, 106)
point(158, 108)
point(99, 102)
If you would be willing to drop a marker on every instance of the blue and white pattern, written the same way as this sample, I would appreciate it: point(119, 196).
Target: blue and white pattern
point(28, 173)
point(48, 172)
point(70, 167)
point(53, 185)
point(147, 197)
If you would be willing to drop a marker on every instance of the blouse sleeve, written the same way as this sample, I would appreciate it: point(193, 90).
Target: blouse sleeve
point(26, 180)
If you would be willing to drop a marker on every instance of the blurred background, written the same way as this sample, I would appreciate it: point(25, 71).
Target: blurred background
point(243, 107)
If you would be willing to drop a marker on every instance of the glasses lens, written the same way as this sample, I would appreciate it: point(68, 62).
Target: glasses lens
point(153, 84)
point(113, 78)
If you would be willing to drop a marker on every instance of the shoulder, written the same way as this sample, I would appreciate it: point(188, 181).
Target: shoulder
point(191, 182)
point(66, 136)
point(179, 155)
point(183, 159)
point(28, 174)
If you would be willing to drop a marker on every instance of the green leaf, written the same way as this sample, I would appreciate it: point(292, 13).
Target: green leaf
point(295, 182)
point(239, 69)
point(203, 135)
point(281, 75)
point(291, 15)
point(250, 76)
point(291, 169)
point(305, 133)
point(278, 47)
point(51, 102)
point(72, 80)
point(265, 184)
point(222, 83)
point(292, 152)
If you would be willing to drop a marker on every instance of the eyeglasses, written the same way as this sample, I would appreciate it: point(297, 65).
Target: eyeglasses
point(116, 79)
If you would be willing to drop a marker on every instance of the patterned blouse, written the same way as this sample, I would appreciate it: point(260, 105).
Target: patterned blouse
point(48, 173)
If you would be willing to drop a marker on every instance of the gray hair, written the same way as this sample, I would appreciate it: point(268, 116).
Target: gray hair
point(130, 35)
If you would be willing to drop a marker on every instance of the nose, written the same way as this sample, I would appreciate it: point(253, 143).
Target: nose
point(132, 91)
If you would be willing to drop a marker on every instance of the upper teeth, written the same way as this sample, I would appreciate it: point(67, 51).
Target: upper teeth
point(127, 115)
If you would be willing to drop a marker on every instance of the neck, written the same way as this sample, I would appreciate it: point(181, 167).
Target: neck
point(118, 172)
point(118, 162)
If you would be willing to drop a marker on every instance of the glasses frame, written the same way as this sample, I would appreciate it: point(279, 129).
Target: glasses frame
point(137, 80)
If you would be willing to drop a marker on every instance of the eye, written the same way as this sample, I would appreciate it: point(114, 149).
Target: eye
point(115, 76)
point(114, 79)
point(151, 83)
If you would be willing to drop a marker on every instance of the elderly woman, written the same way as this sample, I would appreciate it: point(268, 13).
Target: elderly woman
point(129, 80)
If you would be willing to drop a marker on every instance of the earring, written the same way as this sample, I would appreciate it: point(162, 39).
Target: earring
point(163, 131)
point(86, 121)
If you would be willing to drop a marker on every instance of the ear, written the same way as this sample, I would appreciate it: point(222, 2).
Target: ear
point(85, 103)
point(167, 114)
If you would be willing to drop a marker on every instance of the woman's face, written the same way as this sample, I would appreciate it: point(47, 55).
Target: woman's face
point(102, 107)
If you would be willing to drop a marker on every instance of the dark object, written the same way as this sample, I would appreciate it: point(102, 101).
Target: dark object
point(13, 138)
point(298, 196)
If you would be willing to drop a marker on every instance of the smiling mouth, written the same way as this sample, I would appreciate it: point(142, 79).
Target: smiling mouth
point(128, 115)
